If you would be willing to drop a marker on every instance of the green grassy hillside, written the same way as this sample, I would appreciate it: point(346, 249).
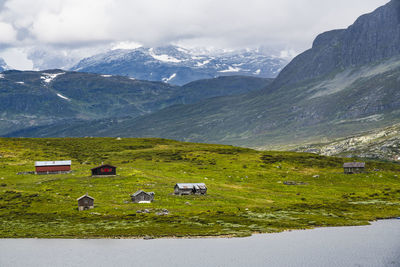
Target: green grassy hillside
point(246, 190)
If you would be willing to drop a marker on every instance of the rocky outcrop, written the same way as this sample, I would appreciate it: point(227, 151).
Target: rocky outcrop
point(373, 37)
point(381, 144)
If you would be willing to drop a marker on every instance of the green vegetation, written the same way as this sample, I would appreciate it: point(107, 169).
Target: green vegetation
point(246, 190)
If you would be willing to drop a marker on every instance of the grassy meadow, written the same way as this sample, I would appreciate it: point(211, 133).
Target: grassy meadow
point(246, 190)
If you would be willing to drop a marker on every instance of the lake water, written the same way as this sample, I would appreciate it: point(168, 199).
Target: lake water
point(374, 245)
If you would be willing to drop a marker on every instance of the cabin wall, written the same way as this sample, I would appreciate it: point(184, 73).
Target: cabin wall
point(80, 208)
point(52, 168)
point(86, 202)
point(203, 191)
point(353, 170)
point(183, 191)
point(142, 197)
point(101, 171)
point(200, 191)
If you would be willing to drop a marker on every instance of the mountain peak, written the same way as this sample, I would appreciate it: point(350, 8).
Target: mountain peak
point(373, 37)
point(177, 65)
point(3, 65)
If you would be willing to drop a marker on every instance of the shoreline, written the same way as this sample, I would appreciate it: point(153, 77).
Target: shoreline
point(147, 238)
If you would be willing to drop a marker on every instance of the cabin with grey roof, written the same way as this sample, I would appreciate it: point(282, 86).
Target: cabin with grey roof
point(354, 167)
point(142, 197)
point(85, 202)
point(190, 189)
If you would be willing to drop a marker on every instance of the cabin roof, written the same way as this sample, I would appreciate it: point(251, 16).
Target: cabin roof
point(141, 191)
point(104, 165)
point(53, 163)
point(354, 165)
point(85, 196)
point(191, 185)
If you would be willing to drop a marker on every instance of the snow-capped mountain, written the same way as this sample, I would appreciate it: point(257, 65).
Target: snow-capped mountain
point(3, 65)
point(177, 65)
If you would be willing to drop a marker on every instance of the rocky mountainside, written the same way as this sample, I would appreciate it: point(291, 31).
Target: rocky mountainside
point(31, 98)
point(347, 83)
point(176, 65)
point(372, 38)
point(379, 144)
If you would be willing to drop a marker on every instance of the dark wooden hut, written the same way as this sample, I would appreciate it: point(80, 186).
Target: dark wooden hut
point(190, 189)
point(52, 167)
point(85, 202)
point(142, 197)
point(104, 170)
point(354, 167)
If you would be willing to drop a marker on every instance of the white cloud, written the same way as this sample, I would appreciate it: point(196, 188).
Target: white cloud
point(7, 33)
point(125, 45)
point(17, 59)
point(287, 54)
point(75, 24)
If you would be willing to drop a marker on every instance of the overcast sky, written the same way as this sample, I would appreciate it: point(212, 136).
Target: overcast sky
point(42, 33)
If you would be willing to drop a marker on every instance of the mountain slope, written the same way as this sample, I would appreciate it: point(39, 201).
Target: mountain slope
point(38, 98)
point(348, 82)
point(222, 86)
point(179, 66)
point(379, 143)
point(58, 97)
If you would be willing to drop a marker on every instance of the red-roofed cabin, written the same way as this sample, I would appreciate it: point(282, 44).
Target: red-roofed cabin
point(50, 167)
point(104, 170)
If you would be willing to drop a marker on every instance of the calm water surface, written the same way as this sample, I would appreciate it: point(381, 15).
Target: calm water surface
point(374, 245)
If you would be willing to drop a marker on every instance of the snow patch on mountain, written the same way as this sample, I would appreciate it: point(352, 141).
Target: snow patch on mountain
point(49, 77)
point(63, 97)
point(183, 50)
point(106, 75)
point(2, 76)
point(19, 82)
point(230, 69)
point(201, 64)
point(163, 57)
point(166, 80)
point(159, 63)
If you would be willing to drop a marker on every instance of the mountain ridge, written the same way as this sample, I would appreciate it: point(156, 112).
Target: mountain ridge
point(50, 97)
point(179, 66)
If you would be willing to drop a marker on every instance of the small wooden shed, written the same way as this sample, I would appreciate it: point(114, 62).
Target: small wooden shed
point(104, 170)
point(52, 167)
point(142, 197)
point(354, 167)
point(85, 202)
point(190, 189)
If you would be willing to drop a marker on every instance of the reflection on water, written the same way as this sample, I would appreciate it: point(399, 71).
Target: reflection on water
point(374, 245)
